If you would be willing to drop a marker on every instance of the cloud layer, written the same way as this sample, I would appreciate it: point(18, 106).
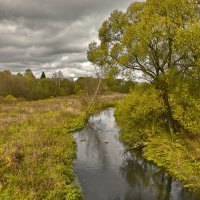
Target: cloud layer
point(51, 35)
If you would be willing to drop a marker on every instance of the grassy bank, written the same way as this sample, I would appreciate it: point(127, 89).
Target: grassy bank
point(37, 148)
point(143, 127)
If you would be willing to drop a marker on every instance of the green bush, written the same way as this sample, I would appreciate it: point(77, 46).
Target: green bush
point(189, 116)
point(140, 115)
point(9, 98)
point(74, 193)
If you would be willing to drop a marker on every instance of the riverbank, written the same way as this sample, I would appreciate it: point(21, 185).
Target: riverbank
point(140, 117)
point(106, 170)
point(37, 148)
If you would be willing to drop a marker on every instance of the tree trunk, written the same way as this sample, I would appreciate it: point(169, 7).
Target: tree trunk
point(170, 119)
point(94, 97)
point(169, 188)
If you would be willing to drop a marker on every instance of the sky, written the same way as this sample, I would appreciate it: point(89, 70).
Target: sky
point(51, 35)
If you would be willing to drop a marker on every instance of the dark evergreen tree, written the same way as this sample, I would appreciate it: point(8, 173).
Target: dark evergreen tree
point(43, 75)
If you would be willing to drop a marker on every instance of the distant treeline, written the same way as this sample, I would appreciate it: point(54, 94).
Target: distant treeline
point(29, 87)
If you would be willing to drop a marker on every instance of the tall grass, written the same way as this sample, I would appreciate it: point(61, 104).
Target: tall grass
point(37, 148)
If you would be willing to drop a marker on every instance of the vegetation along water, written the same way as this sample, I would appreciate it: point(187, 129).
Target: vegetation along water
point(151, 51)
point(160, 42)
point(37, 147)
point(107, 171)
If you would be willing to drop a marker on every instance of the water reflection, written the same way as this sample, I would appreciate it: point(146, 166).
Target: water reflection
point(107, 172)
point(147, 179)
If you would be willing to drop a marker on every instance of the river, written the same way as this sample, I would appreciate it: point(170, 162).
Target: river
point(107, 172)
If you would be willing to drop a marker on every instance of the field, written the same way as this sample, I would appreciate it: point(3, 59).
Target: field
point(37, 148)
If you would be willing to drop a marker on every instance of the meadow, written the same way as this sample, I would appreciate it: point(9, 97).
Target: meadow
point(37, 147)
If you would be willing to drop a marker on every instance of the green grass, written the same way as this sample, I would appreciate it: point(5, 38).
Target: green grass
point(37, 147)
point(180, 157)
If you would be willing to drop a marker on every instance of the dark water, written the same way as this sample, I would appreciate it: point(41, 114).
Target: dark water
point(106, 172)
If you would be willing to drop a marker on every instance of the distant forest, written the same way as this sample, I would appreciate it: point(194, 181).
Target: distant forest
point(28, 87)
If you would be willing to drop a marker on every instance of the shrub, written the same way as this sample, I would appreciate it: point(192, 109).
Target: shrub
point(189, 116)
point(9, 98)
point(140, 115)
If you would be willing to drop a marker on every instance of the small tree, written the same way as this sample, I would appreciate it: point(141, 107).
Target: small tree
point(29, 74)
point(43, 76)
point(5, 73)
point(58, 77)
point(19, 74)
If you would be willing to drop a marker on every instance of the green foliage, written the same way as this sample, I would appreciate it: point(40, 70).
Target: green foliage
point(74, 193)
point(30, 88)
point(184, 97)
point(140, 114)
point(188, 114)
point(110, 83)
point(115, 84)
point(41, 173)
point(36, 153)
point(155, 38)
point(21, 86)
point(143, 126)
point(88, 86)
point(150, 37)
point(37, 147)
point(10, 98)
point(29, 74)
point(180, 157)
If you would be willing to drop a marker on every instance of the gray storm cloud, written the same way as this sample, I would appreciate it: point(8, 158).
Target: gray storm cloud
point(51, 35)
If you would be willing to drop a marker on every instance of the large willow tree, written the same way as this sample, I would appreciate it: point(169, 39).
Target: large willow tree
point(154, 38)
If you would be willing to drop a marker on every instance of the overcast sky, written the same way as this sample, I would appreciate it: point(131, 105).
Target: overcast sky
point(51, 35)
